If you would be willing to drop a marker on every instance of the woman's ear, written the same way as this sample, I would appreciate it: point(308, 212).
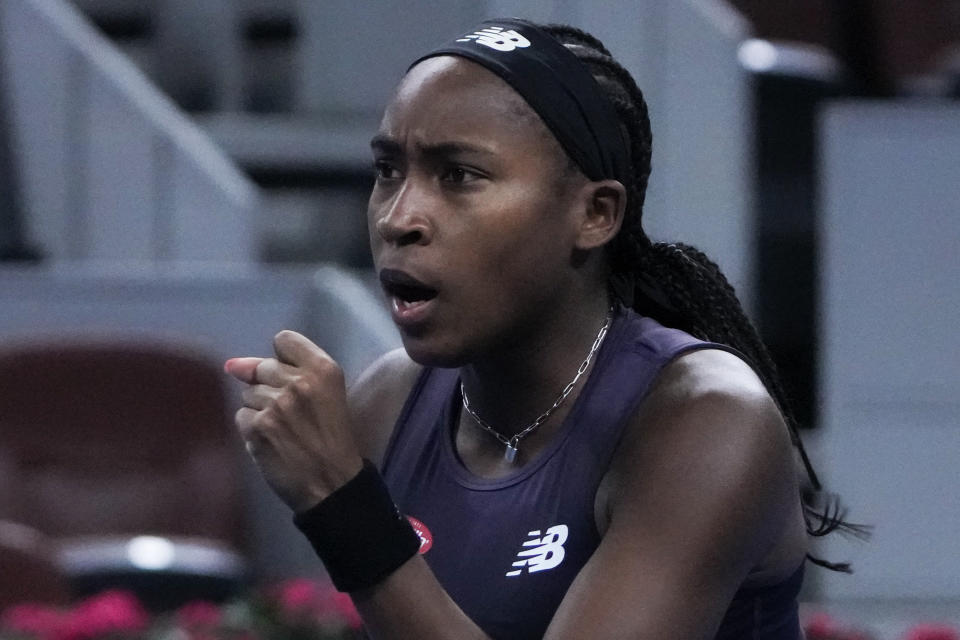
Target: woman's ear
point(604, 204)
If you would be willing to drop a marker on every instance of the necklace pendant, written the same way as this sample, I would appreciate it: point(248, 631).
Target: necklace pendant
point(510, 454)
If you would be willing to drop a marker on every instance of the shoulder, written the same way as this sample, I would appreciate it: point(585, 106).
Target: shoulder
point(708, 457)
point(710, 394)
point(713, 395)
point(701, 492)
point(377, 398)
point(711, 376)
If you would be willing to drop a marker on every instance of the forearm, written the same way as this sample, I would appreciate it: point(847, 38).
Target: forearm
point(371, 551)
point(411, 603)
point(296, 425)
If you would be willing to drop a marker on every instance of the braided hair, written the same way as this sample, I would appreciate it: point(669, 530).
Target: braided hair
point(676, 283)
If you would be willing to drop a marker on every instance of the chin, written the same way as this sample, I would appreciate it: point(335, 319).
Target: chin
point(428, 353)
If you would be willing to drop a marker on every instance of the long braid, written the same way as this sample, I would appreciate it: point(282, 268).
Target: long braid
point(690, 291)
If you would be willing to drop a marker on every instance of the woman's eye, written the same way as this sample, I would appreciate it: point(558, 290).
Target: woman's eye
point(459, 175)
point(384, 170)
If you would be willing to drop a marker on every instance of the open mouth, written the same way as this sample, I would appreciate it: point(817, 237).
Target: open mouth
point(404, 290)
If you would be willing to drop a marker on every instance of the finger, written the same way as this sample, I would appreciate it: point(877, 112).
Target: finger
point(243, 369)
point(244, 419)
point(259, 396)
point(296, 349)
point(272, 372)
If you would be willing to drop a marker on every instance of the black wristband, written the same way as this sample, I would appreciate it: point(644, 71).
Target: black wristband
point(358, 532)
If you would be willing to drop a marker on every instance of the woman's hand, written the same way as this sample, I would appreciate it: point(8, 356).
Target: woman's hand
point(295, 420)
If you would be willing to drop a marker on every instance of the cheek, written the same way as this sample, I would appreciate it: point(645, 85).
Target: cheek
point(373, 236)
point(537, 233)
point(523, 255)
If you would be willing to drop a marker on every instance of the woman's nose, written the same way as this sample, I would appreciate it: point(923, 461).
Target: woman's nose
point(404, 221)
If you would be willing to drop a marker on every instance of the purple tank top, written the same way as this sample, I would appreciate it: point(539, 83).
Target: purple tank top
point(506, 550)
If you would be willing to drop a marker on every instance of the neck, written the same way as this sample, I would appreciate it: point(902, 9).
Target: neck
point(511, 386)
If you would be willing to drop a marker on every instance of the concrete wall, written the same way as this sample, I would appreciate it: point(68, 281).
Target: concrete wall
point(890, 376)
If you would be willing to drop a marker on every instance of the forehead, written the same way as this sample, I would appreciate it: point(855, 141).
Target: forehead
point(448, 97)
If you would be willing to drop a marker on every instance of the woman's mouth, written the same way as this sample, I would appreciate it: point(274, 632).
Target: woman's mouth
point(410, 299)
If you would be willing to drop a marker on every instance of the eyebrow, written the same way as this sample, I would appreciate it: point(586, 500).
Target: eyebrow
point(385, 144)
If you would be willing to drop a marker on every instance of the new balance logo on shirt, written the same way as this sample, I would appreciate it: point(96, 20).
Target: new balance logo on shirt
point(497, 38)
point(540, 553)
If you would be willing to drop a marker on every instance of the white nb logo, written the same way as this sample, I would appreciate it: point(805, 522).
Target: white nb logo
point(539, 553)
point(497, 38)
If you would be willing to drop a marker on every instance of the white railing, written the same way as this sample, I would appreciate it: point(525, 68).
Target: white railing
point(109, 168)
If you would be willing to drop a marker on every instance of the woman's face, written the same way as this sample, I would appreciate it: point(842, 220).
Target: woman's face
point(471, 222)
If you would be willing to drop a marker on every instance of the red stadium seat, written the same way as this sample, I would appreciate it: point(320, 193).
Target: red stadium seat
point(102, 442)
point(30, 572)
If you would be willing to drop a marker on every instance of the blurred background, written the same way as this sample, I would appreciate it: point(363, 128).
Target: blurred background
point(179, 179)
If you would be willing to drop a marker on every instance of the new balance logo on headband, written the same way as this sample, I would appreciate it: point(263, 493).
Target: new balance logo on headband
point(498, 38)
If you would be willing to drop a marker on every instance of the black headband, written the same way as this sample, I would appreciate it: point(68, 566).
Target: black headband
point(556, 85)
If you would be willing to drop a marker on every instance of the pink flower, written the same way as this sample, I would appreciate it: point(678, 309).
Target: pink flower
point(932, 632)
point(344, 606)
point(33, 619)
point(307, 602)
point(199, 614)
point(109, 612)
point(298, 596)
point(821, 627)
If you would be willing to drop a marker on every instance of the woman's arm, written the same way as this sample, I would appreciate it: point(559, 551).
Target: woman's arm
point(306, 439)
point(701, 486)
point(376, 400)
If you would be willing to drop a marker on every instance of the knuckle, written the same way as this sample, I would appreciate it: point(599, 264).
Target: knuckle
point(329, 369)
point(265, 420)
point(303, 386)
point(242, 418)
point(287, 401)
point(282, 337)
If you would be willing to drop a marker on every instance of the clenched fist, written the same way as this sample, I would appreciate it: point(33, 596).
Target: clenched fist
point(295, 420)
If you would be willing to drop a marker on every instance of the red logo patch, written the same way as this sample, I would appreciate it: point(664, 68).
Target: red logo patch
point(426, 538)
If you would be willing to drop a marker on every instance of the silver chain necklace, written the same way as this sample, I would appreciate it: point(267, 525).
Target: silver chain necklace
point(510, 454)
